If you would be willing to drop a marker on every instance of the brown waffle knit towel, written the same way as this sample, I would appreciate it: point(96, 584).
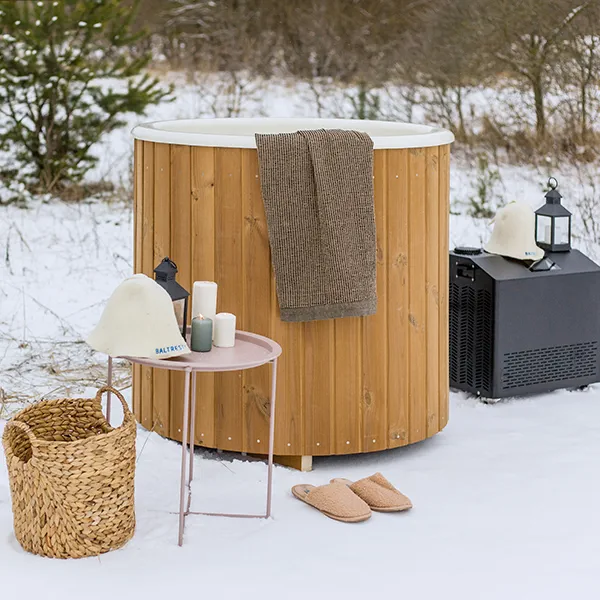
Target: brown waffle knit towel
point(317, 188)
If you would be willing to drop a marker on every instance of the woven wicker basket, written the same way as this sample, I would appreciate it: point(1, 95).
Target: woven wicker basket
point(71, 477)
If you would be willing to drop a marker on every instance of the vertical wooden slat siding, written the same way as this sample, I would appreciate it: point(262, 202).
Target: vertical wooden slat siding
point(203, 269)
point(257, 302)
point(162, 248)
point(283, 416)
point(290, 384)
point(417, 315)
point(147, 267)
point(181, 247)
point(443, 202)
point(333, 388)
point(348, 386)
point(229, 274)
point(318, 387)
point(289, 417)
point(398, 410)
point(342, 383)
point(294, 375)
point(375, 332)
point(432, 274)
point(138, 215)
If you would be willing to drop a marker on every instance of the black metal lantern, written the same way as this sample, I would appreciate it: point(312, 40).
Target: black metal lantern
point(164, 275)
point(553, 222)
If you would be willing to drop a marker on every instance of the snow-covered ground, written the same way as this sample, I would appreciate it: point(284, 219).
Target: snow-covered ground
point(505, 506)
point(504, 499)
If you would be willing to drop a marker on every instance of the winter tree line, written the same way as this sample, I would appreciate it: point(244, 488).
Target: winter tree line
point(539, 59)
point(545, 51)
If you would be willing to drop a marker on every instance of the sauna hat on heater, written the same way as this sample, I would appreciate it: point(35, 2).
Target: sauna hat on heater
point(138, 320)
point(514, 233)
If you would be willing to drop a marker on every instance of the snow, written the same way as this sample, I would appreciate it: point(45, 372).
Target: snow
point(504, 503)
point(60, 263)
point(504, 498)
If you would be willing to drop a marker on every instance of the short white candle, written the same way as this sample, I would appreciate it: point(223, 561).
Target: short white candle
point(204, 300)
point(224, 330)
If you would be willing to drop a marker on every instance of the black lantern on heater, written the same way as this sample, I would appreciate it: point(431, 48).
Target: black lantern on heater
point(553, 222)
point(164, 275)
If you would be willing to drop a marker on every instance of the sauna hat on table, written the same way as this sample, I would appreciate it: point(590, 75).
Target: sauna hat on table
point(138, 320)
point(514, 233)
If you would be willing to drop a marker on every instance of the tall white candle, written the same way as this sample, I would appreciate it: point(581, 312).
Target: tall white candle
point(204, 300)
point(224, 330)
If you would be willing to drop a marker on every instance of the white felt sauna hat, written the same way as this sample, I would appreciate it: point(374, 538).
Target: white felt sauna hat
point(514, 233)
point(138, 320)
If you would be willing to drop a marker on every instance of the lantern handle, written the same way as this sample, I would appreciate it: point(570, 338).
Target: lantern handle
point(170, 261)
point(552, 183)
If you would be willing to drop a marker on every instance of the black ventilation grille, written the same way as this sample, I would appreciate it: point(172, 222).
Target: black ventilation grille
point(547, 365)
point(471, 327)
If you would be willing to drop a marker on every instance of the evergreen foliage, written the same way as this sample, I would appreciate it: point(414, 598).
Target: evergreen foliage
point(67, 76)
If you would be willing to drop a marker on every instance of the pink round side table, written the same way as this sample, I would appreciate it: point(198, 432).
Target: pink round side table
point(250, 350)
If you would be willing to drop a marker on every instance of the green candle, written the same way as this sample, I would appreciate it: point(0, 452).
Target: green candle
point(201, 334)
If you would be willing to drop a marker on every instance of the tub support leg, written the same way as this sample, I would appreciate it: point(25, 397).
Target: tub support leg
point(301, 463)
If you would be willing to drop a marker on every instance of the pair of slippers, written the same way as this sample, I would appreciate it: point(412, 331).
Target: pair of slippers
point(350, 502)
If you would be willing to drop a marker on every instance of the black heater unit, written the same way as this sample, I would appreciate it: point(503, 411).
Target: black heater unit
point(515, 330)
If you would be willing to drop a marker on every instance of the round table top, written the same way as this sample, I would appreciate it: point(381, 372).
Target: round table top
point(250, 350)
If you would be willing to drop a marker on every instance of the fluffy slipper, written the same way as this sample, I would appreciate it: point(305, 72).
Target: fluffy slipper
point(335, 500)
point(378, 493)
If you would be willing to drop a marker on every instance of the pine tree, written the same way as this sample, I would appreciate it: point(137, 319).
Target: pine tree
point(67, 76)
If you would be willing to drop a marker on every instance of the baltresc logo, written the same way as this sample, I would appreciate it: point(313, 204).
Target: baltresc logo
point(167, 349)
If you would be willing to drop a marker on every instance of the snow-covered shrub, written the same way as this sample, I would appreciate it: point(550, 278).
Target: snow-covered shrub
point(482, 204)
point(366, 103)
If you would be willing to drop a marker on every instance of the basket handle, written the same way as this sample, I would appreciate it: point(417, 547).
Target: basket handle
point(127, 414)
point(23, 427)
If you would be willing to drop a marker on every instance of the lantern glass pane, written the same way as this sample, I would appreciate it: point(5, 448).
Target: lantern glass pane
point(178, 307)
point(561, 230)
point(544, 230)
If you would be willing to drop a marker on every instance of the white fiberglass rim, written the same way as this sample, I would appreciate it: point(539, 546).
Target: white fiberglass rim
point(239, 133)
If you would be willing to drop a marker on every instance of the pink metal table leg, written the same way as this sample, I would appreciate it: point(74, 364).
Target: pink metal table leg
point(192, 434)
point(270, 463)
point(108, 394)
point(184, 454)
point(271, 435)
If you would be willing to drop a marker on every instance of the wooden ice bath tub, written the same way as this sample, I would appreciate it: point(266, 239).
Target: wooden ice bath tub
point(346, 385)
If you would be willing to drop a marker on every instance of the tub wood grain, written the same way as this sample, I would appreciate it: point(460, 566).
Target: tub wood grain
point(344, 386)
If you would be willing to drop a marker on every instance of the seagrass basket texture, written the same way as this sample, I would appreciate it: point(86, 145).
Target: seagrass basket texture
point(71, 477)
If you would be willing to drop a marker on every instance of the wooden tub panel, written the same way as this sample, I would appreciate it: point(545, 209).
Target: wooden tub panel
point(138, 210)
point(147, 266)
point(417, 294)
point(432, 290)
point(341, 384)
point(181, 254)
point(375, 329)
point(229, 273)
point(203, 266)
point(256, 383)
point(162, 247)
point(398, 408)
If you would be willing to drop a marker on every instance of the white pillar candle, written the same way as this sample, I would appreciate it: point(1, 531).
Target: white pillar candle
point(224, 330)
point(204, 300)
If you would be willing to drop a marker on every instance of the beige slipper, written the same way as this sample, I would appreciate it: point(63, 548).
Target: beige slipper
point(335, 500)
point(378, 493)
